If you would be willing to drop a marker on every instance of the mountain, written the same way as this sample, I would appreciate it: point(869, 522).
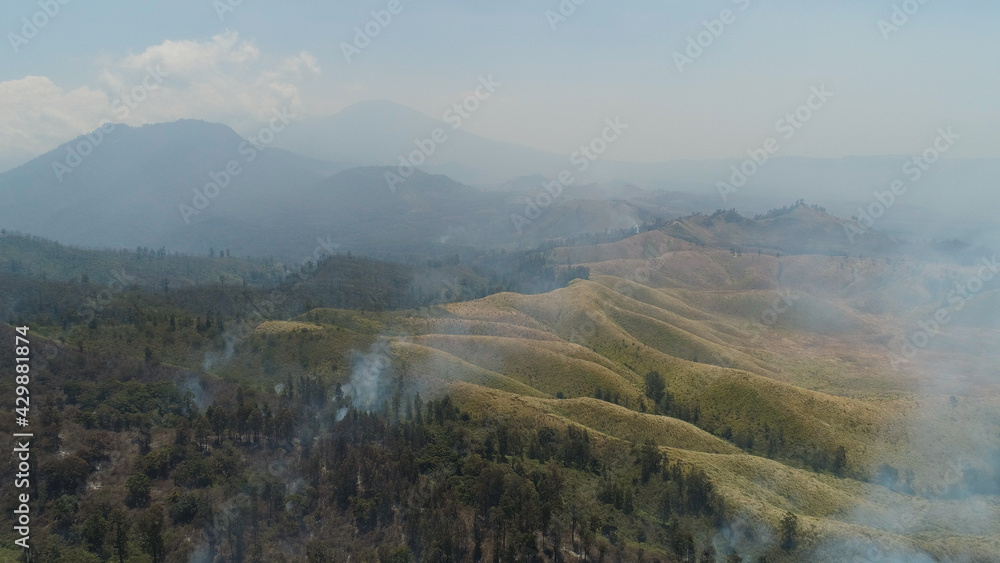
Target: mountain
point(150, 186)
point(15, 158)
point(380, 133)
point(126, 187)
point(146, 186)
point(359, 207)
point(155, 186)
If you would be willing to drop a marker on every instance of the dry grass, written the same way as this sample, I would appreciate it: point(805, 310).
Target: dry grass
point(283, 327)
point(819, 373)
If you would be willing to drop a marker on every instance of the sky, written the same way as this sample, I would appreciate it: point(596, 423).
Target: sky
point(562, 68)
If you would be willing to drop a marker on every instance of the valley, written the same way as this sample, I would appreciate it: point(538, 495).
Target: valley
point(768, 373)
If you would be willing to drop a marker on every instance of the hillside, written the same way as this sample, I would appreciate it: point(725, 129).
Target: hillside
point(811, 396)
point(36, 257)
point(799, 229)
point(756, 386)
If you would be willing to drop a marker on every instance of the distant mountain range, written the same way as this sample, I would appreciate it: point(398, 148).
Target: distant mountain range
point(192, 185)
point(124, 187)
point(380, 132)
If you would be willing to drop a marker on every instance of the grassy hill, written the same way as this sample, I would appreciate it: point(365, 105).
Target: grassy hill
point(766, 379)
point(797, 229)
point(789, 389)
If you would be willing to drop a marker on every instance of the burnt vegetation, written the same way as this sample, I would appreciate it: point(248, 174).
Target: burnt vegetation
point(132, 466)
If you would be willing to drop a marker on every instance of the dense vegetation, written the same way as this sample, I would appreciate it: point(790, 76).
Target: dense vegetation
point(32, 269)
point(223, 418)
point(142, 462)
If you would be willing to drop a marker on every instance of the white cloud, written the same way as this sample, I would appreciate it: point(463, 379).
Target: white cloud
point(302, 60)
point(191, 58)
point(36, 115)
point(222, 79)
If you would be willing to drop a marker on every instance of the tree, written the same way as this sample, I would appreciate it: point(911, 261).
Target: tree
point(149, 527)
point(654, 386)
point(120, 526)
point(649, 460)
point(65, 475)
point(63, 509)
point(138, 489)
point(399, 554)
point(789, 532)
point(93, 531)
point(184, 508)
point(840, 461)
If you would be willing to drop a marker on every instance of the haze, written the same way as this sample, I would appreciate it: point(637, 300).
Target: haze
point(606, 59)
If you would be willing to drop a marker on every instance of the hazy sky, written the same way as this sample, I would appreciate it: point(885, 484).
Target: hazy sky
point(938, 69)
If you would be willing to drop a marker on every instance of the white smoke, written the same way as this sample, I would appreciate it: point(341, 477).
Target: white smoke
point(202, 398)
point(746, 535)
point(213, 359)
point(863, 549)
point(369, 385)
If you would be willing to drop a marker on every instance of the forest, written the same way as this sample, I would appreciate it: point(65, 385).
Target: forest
point(300, 472)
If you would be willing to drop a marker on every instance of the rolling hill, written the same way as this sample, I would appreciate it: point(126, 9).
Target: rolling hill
point(788, 385)
point(770, 377)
